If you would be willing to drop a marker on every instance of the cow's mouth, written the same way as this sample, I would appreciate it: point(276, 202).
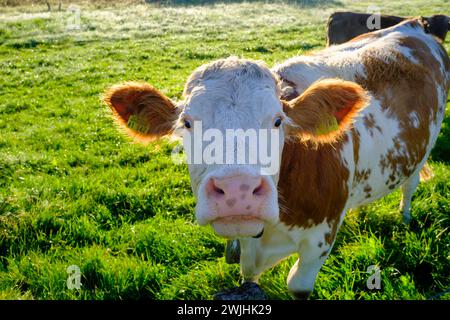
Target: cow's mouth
point(238, 226)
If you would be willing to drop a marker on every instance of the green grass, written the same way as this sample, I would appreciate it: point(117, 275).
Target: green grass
point(75, 191)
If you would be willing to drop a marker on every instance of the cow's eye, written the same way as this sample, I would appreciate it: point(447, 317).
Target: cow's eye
point(187, 124)
point(277, 122)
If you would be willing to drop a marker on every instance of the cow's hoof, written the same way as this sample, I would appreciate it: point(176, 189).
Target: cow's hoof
point(301, 295)
point(247, 291)
point(233, 252)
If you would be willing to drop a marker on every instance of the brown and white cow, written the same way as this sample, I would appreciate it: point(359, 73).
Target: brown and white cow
point(363, 121)
point(343, 26)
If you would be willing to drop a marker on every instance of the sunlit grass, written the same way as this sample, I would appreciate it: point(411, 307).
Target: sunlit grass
point(75, 191)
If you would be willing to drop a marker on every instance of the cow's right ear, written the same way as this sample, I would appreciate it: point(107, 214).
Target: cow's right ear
point(325, 110)
point(146, 113)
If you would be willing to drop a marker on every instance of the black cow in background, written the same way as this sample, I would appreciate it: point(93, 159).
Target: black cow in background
point(343, 26)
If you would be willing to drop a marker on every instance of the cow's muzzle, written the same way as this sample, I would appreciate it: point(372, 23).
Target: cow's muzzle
point(238, 205)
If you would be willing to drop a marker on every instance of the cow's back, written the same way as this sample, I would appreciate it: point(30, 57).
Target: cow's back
point(408, 78)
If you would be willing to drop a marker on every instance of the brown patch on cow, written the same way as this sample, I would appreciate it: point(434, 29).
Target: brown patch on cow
point(313, 183)
point(370, 124)
point(248, 207)
point(361, 175)
point(231, 202)
point(330, 236)
point(367, 189)
point(320, 244)
point(388, 68)
point(244, 187)
point(401, 161)
point(403, 88)
point(421, 52)
point(356, 143)
point(324, 254)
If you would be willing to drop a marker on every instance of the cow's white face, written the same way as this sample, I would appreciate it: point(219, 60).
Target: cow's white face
point(235, 101)
point(224, 101)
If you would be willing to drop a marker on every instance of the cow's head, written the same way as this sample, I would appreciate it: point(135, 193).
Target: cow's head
point(438, 25)
point(242, 98)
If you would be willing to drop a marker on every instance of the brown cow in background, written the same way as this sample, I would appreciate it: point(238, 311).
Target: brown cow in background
point(343, 26)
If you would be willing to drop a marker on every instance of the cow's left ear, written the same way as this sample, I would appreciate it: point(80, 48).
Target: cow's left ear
point(142, 110)
point(325, 110)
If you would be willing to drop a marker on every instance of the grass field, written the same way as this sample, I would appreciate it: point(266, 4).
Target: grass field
point(75, 191)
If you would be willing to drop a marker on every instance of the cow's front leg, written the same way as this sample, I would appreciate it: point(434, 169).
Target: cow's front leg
point(249, 290)
point(258, 255)
point(303, 274)
point(248, 260)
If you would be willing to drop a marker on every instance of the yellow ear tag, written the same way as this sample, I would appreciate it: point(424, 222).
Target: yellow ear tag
point(328, 125)
point(135, 123)
point(132, 122)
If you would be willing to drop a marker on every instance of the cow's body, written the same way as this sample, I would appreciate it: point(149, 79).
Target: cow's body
point(343, 26)
point(406, 74)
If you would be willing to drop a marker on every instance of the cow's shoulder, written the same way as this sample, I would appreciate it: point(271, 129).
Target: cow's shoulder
point(313, 184)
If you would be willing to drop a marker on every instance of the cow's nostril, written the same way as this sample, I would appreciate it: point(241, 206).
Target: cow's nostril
point(218, 190)
point(215, 188)
point(259, 190)
point(237, 187)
